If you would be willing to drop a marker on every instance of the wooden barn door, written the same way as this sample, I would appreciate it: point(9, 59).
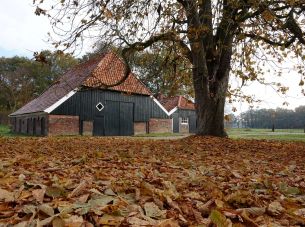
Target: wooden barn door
point(112, 118)
point(118, 118)
point(175, 117)
point(126, 118)
point(98, 126)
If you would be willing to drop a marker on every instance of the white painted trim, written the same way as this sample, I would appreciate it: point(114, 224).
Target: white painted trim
point(173, 110)
point(162, 107)
point(60, 101)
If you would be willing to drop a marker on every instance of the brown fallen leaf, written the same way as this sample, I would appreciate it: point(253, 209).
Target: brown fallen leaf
point(275, 208)
point(137, 221)
point(193, 195)
point(58, 222)
point(45, 222)
point(153, 211)
point(247, 220)
point(22, 224)
point(255, 211)
point(74, 221)
point(83, 198)
point(198, 216)
point(236, 174)
point(6, 196)
point(45, 208)
point(173, 204)
point(300, 212)
point(38, 194)
point(79, 189)
point(220, 219)
point(111, 208)
point(110, 220)
point(55, 191)
point(205, 208)
point(168, 223)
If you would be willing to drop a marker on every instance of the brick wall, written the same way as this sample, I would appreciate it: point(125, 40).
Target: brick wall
point(160, 125)
point(63, 125)
point(87, 128)
point(139, 128)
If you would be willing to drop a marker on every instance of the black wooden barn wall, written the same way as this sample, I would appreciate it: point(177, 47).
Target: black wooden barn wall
point(119, 113)
point(190, 114)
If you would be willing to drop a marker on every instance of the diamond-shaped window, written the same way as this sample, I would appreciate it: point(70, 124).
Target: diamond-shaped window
point(99, 106)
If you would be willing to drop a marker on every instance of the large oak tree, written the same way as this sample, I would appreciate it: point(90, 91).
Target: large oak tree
point(213, 35)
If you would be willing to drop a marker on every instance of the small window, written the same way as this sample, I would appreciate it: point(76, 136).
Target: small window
point(100, 106)
point(184, 120)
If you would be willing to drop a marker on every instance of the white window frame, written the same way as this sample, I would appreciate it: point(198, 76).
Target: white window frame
point(184, 120)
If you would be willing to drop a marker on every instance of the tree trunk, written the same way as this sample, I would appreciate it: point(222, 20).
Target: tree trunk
point(210, 111)
point(210, 97)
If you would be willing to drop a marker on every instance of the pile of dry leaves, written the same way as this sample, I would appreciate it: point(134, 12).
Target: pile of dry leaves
point(86, 181)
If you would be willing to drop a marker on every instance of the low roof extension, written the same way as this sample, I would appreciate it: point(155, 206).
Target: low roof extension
point(171, 104)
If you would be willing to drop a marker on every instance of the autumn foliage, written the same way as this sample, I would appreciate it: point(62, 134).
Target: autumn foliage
point(84, 181)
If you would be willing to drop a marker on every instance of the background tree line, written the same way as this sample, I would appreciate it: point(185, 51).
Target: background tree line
point(281, 118)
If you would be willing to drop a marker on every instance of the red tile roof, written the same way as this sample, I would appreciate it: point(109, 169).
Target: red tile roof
point(180, 102)
point(109, 71)
point(107, 68)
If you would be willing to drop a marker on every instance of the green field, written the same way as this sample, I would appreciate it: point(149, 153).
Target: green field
point(166, 134)
point(236, 133)
point(267, 134)
point(5, 130)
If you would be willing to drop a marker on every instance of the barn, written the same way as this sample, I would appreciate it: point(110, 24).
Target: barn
point(78, 104)
point(182, 111)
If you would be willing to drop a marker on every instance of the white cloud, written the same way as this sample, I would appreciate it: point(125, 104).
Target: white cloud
point(22, 31)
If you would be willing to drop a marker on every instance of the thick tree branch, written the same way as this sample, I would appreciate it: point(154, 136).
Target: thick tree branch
point(285, 44)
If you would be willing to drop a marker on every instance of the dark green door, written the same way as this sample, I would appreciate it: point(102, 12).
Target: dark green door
point(175, 117)
point(98, 126)
point(126, 118)
point(112, 118)
point(118, 118)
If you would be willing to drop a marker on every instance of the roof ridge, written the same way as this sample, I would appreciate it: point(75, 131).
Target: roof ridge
point(131, 73)
point(131, 76)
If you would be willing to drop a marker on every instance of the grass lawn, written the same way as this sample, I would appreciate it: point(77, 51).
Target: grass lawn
point(261, 131)
point(241, 133)
point(195, 181)
point(167, 134)
point(5, 130)
point(267, 134)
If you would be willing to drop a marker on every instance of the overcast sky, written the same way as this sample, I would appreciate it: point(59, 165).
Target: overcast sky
point(22, 33)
